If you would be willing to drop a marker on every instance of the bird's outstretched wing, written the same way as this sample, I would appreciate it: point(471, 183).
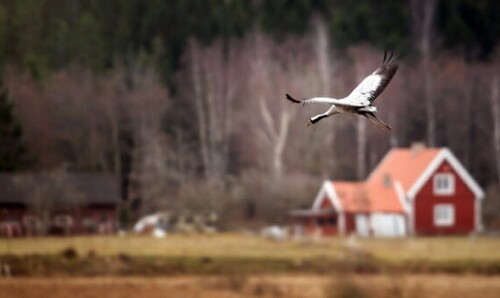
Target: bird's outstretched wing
point(371, 87)
point(325, 100)
point(366, 92)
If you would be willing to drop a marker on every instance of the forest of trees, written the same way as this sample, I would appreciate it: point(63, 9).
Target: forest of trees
point(184, 100)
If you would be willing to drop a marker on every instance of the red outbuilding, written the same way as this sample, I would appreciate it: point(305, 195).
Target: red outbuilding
point(418, 190)
point(71, 203)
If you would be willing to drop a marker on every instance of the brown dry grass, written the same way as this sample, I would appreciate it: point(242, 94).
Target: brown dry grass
point(403, 286)
point(416, 286)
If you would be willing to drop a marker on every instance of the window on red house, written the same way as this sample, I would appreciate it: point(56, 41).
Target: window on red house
point(444, 184)
point(444, 215)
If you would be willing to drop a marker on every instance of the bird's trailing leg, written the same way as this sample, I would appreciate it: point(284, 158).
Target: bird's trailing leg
point(379, 123)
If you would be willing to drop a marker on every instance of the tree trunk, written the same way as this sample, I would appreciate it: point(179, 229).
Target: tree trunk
point(495, 108)
point(467, 122)
point(200, 108)
point(213, 80)
point(361, 55)
point(276, 137)
point(361, 154)
point(273, 129)
point(429, 100)
point(422, 19)
point(322, 49)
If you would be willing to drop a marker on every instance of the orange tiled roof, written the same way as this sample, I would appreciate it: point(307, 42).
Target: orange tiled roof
point(352, 196)
point(405, 165)
point(378, 193)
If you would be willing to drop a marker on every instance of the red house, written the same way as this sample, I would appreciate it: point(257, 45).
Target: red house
point(418, 190)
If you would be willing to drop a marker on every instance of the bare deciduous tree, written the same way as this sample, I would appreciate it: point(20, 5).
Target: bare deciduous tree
point(150, 175)
point(268, 64)
point(75, 117)
point(495, 109)
point(33, 113)
point(360, 73)
point(325, 71)
point(214, 80)
point(422, 13)
point(365, 60)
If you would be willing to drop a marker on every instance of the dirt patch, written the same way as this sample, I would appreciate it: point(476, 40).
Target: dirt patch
point(112, 287)
point(289, 286)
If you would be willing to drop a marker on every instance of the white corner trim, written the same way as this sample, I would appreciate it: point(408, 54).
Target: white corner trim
point(478, 217)
point(445, 154)
point(328, 191)
point(411, 218)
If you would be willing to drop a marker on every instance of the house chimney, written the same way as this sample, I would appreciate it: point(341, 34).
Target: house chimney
point(387, 180)
point(417, 147)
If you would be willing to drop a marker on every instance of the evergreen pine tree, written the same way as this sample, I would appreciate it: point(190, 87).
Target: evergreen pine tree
point(13, 152)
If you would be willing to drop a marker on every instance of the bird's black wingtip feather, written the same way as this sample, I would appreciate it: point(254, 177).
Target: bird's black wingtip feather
point(389, 56)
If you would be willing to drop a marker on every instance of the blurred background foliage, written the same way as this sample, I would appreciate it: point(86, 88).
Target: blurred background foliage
point(44, 35)
point(172, 96)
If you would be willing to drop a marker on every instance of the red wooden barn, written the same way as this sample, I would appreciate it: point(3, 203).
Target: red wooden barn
point(94, 210)
point(418, 190)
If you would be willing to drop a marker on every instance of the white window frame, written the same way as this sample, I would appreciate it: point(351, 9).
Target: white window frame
point(444, 209)
point(449, 190)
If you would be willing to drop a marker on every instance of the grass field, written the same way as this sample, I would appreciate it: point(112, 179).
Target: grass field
point(227, 253)
point(235, 265)
point(248, 246)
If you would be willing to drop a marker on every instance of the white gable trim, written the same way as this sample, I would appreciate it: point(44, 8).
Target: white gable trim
point(401, 196)
point(327, 191)
point(431, 168)
point(445, 154)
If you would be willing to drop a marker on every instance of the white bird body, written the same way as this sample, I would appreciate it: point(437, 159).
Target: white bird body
point(359, 101)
